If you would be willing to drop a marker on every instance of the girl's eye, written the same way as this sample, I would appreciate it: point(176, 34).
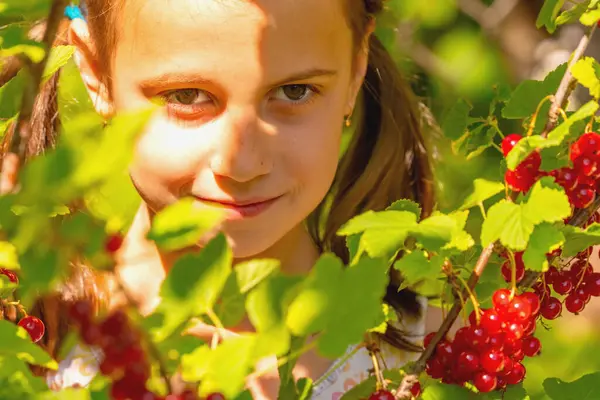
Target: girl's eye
point(296, 93)
point(186, 97)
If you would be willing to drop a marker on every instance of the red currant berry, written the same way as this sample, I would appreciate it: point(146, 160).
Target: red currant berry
point(492, 361)
point(496, 341)
point(428, 338)
point(514, 331)
point(415, 390)
point(551, 308)
point(563, 285)
point(462, 339)
point(533, 300)
point(574, 304)
point(592, 284)
point(518, 356)
point(519, 181)
point(567, 178)
point(34, 326)
point(478, 337)
point(491, 321)
point(582, 293)
point(81, 311)
point(445, 352)
point(507, 366)
point(531, 346)
point(529, 328)
point(582, 196)
point(485, 382)
point(468, 361)
point(519, 309)
point(509, 142)
point(585, 166)
point(378, 395)
point(501, 299)
point(434, 368)
point(507, 272)
point(531, 163)
point(589, 143)
point(10, 275)
point(516, 375)
point(113, 243)
point(551, 275)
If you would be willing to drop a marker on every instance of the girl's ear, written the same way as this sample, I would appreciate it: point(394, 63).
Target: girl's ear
point(360, 67)
point(89, 67)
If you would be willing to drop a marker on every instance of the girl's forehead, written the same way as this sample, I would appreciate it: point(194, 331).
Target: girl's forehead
point(272, 36)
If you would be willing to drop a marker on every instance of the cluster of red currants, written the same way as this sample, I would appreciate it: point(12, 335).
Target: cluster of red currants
point(579, 181)
point(579, 283)
point(489, 353)
point(33, 325)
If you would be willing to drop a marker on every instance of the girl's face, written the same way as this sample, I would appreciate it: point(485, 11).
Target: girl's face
point(255, 92)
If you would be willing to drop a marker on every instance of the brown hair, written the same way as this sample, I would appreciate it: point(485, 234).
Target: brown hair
point(385, 161)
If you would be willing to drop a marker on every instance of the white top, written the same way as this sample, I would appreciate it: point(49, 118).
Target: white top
point(82, 364)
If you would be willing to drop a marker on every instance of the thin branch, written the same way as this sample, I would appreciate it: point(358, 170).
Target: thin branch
point(22, 130)
point(567, 85)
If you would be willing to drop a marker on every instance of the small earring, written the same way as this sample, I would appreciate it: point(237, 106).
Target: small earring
point(348, 120)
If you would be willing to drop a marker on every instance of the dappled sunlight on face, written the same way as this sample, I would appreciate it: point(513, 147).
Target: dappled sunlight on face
point(255, 93)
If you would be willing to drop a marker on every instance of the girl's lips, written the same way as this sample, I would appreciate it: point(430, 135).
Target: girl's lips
point(241, 210)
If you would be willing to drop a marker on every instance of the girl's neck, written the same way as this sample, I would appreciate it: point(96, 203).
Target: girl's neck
point(142, 267)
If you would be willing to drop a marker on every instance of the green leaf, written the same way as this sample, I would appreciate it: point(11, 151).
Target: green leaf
point(577, 239)
point(440, 391)
point(228, 366)
point(230, 308)
point(590, 17)
point(383, 233)
point(547, 202)
point(548, 14)
point(251, 273)
point(15, 41)
point(530, 93)
point(555, 138)
point(59, 56)
point(8, 255)
point(572, 14)
point(456, 121)
point(364, 389)
point(406, 205)
point(15, 10)
point(482, 190)
point(357, 306)
point(194, 365)
point(11, 94)
point(65, 394)
point(584, 388)
point(416, 267)
point(17, 343)
point(266, 306)
point(193, 284)
point(507, 222)
point(311, 309)
point(100, 155)
point(544, 239)
point(513, 223)
point(461, 239)
point(183, 224)
point(476, 141)
point(587, 73)
point(435, 231)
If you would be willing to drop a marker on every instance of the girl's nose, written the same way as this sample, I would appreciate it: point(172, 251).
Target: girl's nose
point(241, 149)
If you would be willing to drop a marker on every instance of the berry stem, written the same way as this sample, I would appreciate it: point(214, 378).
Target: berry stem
point(381, 383)
point(513, 274)
point(535, 115)
point(481, 207)
point(217, 337)
point(566, 85)
point(472, 297)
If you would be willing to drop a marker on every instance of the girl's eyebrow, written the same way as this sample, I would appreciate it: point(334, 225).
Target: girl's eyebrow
point(194, 78)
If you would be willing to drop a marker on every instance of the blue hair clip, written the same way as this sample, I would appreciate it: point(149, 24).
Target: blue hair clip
point(73, 12)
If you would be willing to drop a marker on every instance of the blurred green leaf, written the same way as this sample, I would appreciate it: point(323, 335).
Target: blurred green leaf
point(483, 189)
point(590, 17)
point(530, 93)
point(193, 285)
point(183, 224)
point(548, 14)
point(587, 73)
point(59, 56)
point(572, 14)
point(584, 388)
point(17, 343)
point(456, 120)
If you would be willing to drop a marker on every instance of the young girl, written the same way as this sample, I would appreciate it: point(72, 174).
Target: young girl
point(256, 95)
